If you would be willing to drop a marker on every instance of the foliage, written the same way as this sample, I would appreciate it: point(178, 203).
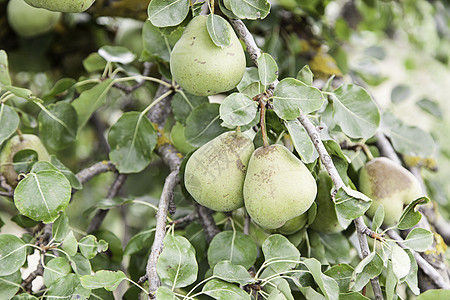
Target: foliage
point(101, 105)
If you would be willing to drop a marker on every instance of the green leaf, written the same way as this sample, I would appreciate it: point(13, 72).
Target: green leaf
point(155, 42)
point(226, 271)
point(60, 86)
point(342, 274)
point(238, 109)
point(63, 287)
point(10, 284)
point(165, 13)
point(391, 281)
point(400, 261)
point(327, 285)
point(337, 248)
point(352, 296)
point(108, 280)
point(276, 295)
point(219, 30)
point(378, 218)
point(94, 62)
point(370, 267)
point(292, 95)
point(251, 76)
point(203, 124)
point(431, 107)
point(305, 75)
point(250, 9)
point(117, 54)
point(81, 264)
point(410, 215)
point(165, 293)
point(267, 69)
point(277, 247)
point(351, 204)
point(400, 93)
point(42, 195)
point(91, 100)
point(419, 239)
point(411, 278)
point(407, 140)
point(302, 142)
point(20, 92)
point(13, 253)
point(58, 125)
point(9, 120)
point(184, 103)
point(60, 227)
point(56, 268)
point(434, 295)
point(4, 71)
point(89, 246)
point(138, 242)
point(74, 182)
point(70, 244)
point(177, 266)
point(222, 290)
point(234, 246)
point(24, 160)
point(355, 111)
point(132, 140)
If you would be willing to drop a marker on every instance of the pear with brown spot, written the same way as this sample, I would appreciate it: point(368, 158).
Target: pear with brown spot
point(390, 185)
point(214, 174)
point(278, 187)
point(67, 6)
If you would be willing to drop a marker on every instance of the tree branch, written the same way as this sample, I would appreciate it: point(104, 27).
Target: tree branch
point(161, 218)
point(101, 167)
point(97, 220)
point(255, 52)
point(209, 226)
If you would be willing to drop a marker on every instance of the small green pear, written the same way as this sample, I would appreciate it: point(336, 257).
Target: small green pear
point(28, 21)
point(293, 225)
point(202, 68)
point(390, 185)
point(214, 174)
point(326, 220)
point(67, 6)
point(278, 187)
point(14, 145)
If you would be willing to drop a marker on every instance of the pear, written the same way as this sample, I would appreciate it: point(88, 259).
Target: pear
point(28, 21)
point(326, 220)
point(294, 224)
point(215, 173)
point(202, 68)
point(14, 145)
point(390, 185)
point(278, 187)
point(67, 6)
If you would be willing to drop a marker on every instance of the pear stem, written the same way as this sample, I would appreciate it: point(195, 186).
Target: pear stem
point(262, 122)
point(238, 130)
point(367, 152)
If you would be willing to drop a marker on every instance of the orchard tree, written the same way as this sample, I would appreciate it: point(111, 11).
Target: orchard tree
point(229, 149)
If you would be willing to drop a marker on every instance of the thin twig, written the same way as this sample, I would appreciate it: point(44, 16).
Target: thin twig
point(101, 167)
point(27, 282)
point(209, 226)
point(186, 219)
point(254, 53)
point(161, 219)
point(129, 89)
point(97, 220)
point(4, 185)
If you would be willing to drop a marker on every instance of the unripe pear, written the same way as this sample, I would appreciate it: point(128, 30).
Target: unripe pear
point(67, 6)
point(202, 68)
point(388, 184)
point(14, 145)
point(278, 187)
point(326, 220)
point(294, 224)
point(215, 173)
point(28, 21)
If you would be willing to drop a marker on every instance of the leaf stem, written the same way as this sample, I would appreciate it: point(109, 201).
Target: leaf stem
point(128, 279)
point(147, 78)
point(145, 111)
point(262, 122)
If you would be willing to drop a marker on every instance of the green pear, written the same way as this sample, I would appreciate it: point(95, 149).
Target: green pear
point(28, 21)
point(67, 6)
point(326, 220)
point(294, 224)
point(215, 173)
point(277, 187)
point(14, 145)
point(390, 185)
point(202, 68)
